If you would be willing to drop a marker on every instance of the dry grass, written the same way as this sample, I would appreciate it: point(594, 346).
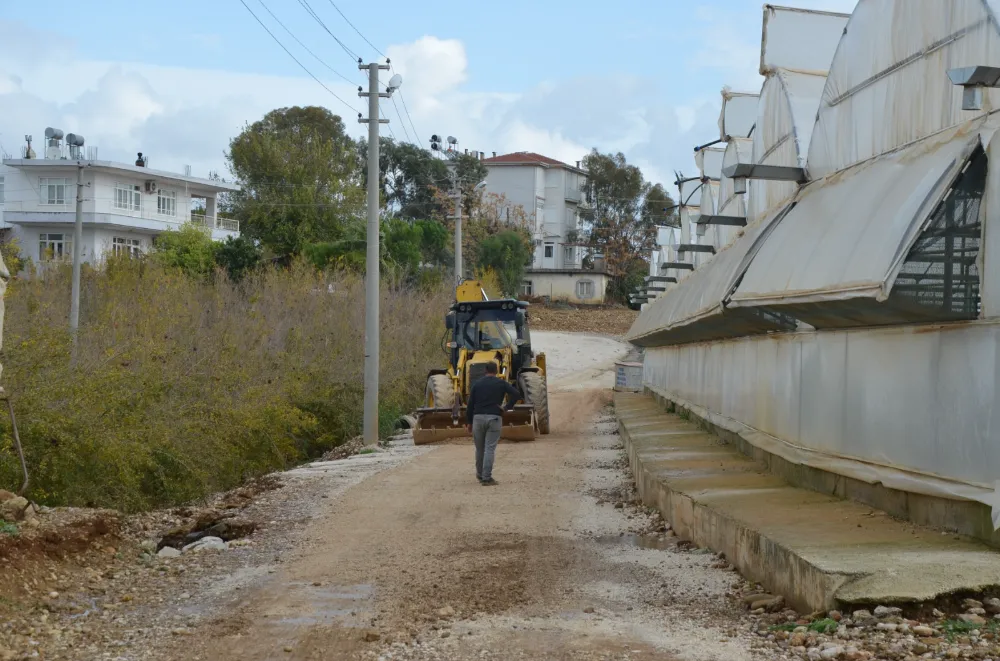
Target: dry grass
point(184, 387)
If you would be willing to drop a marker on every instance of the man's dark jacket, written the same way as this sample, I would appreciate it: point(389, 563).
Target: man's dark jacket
point(487, 396)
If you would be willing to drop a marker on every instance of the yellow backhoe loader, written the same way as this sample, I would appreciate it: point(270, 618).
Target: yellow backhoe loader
point(480, 331)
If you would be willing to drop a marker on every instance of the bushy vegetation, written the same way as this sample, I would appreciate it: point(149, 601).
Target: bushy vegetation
point(187, 385)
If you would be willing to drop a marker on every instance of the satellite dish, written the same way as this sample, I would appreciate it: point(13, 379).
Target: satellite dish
point(395, 83)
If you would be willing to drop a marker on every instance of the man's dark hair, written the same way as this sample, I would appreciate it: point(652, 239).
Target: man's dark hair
point(491, 367)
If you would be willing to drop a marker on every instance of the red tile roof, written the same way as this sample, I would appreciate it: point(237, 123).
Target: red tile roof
point(524, 158)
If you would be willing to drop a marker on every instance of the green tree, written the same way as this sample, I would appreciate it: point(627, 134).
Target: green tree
point(300, 179)
point(508, 255)
point(626, 210)
point(411, 179)
point(469, 171)
point(435, 242)
point(402, 246)
point(405, 247)
point(238, 256)
point(189, 249)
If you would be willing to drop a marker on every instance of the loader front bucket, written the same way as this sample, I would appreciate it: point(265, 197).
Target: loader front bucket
point(439, 424)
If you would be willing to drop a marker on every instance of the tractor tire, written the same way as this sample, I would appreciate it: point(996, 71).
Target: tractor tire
point(536, 393)
point(439, 392)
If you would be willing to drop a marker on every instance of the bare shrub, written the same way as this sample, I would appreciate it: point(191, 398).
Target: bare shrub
point(183, 387)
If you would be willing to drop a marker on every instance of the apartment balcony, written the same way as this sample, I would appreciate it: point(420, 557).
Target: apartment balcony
point(215, 222)
point(574, 194)
point(145, 217)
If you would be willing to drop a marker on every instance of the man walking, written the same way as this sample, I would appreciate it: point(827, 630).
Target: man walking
point(485, 419)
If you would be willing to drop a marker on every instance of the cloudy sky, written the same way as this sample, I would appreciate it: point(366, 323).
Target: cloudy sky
point(177, 80)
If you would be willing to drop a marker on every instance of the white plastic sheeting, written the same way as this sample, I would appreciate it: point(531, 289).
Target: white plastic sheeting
point(785, 118)
point(848, 234)
point(989, 253)
point(709, 161)
point(799, 39)
point(888, 83)
point(693, 310)
point(709, 206)
point(738, 114)
point(869, 404)
point(738, 151)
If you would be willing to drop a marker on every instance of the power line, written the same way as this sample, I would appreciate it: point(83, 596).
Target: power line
point(401, 122)
point(312, 12)
point(311, 74)
point(356, 29)
point(403, 99)
point(387, 124)
point(306, 48)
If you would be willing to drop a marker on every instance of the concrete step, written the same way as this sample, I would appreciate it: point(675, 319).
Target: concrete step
point(818, 551)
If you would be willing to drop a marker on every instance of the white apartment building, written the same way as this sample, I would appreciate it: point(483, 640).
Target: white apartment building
point(124, 206)
point(551, 193)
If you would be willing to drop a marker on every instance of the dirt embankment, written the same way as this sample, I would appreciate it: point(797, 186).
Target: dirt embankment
point(612, 320)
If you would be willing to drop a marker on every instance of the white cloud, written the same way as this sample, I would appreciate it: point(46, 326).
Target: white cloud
point(181, 116)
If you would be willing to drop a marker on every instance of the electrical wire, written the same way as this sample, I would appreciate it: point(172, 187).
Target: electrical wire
point(401, 122)
point(403, 99)
point(304, 68)
point(356, 29)
point(306, 48)
point(312, 12)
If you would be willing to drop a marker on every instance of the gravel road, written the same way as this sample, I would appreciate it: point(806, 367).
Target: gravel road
point(418, 561)
point(401, 554)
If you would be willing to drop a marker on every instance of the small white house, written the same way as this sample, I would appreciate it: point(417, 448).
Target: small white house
point(571, 285)
point(124, 206)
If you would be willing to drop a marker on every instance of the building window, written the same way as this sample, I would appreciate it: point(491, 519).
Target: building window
point(584, 289)
point(527, 289)
point(128, 197)
point(166, 203)
point(54, 247)
point(568, 254)
point(549, 250)
point(126, 247)
point(52, 191)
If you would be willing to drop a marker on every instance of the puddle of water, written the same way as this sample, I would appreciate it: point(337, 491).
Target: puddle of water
point(633, 540)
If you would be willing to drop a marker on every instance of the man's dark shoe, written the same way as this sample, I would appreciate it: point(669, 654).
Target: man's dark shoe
point(489, 483)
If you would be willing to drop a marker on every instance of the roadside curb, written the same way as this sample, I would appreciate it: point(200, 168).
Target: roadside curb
point(817, 551)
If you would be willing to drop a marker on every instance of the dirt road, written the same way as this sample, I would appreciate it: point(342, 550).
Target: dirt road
point(413, 559)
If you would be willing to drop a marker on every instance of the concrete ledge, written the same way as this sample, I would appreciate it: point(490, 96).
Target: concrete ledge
point(965, 517)
point(817, 550)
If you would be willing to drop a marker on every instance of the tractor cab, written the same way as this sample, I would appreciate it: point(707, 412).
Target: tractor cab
point(484, 326)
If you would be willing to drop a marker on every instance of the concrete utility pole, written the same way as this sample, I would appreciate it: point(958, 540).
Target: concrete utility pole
point(74, 306)
point(458, 226)
point(372, 275)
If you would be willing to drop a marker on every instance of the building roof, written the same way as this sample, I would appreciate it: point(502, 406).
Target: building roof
point(528, 158)
point(147, 173)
